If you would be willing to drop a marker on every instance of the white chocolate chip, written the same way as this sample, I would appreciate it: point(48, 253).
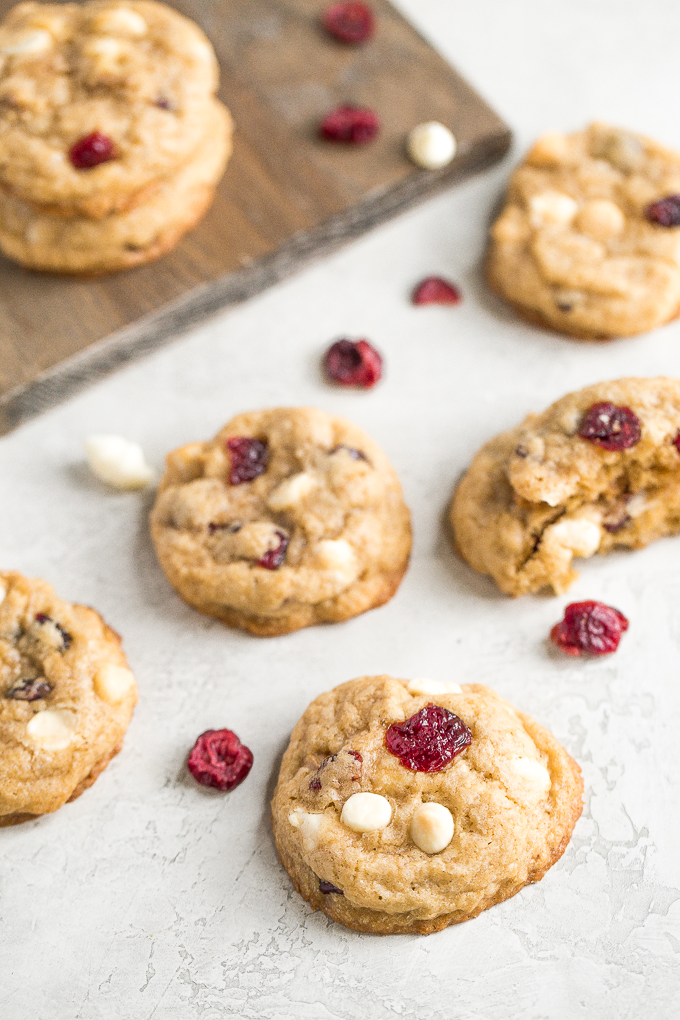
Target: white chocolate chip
point(549, 150)
point(580, 537)
point(365, 812)
point(309, 825)
point(52, 729)
point(28, 43)
point(637, 504)
point(534, 777)
point(431, 145)
point(600, 219)
point(422, 685)
point(121, 20)
point(335, 554)
point(552, 207)
point(3, 593)
point(113, 683)
point(118, 461)
point(432, 827)
point(104, 47)
point(291, 491)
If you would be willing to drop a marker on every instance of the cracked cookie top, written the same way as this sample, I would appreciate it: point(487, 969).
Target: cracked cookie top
point(99, 101)
point(599, 468)
point(288, 517)
point(578, 246)
point(66, 697)
point(382, 846)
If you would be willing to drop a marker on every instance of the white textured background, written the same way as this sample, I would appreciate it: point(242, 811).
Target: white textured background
point(152, 897)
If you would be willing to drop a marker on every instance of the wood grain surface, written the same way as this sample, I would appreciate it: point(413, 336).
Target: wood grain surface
point(287, 195)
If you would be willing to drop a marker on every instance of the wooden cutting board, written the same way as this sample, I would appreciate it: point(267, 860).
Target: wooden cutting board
point(287, 195)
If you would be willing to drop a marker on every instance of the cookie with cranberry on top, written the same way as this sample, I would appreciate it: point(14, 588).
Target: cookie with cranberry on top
point(599, 469)
point(287, 518)
point(588, 242)
point(406, 806)
point(66, 698)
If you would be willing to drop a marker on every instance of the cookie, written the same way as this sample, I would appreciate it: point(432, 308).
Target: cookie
point(133, 78)
point(287, 518)
point(45, 241)
point(600, 469)
point(66, 698)
point(404, 807)
point(578, 246)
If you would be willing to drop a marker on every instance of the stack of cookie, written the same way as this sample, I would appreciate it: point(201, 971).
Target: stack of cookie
point(111, 138)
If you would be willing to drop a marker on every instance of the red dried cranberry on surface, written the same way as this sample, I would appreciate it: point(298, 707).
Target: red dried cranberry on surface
point(91, 150)
point(30, 689)
point(350, 22)
point(273, 559)
point(590, 628)
point(665, 212)
point(353, 363)
point(676, 441)
point(66, 638)
point(436, 291)
point(429, 740)
point(355, 125)
point(248, 459)
point(611, 427)
point(328, 887)
point(219, 759)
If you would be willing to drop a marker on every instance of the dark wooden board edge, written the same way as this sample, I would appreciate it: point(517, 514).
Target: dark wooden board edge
point(204, 301)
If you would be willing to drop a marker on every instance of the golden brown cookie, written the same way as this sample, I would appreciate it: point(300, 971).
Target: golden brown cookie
point(599, 469)
point(287, 518)
point(66, 698)
point(583, 245)
point(405, 807)
point(45, 241)
point(99, 101)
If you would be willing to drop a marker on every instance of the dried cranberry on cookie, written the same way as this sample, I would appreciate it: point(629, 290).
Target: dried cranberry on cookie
point(599, 469)
point(287, 518)
point(406, 806)
point(66, 698)
point(588, 242)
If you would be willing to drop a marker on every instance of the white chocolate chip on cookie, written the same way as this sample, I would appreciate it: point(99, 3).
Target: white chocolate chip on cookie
point(422, 685)
point(600, 219)
point(121, 21)
point(53, 729)
point(113, 683)
point(432, 827)
point(28, 44)
point(291, 491)
point(534, 777)
point(365, 812)
point(309, 825)
point(552, 207)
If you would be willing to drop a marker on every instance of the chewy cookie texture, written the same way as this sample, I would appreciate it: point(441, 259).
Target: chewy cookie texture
point(66, 698)
point(600, 469)
point(287, 518)
point(578, 246)
point(386, 834)
point(111, 139)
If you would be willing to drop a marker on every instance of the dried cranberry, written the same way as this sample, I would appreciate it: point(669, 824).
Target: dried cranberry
point(248, 458)
point(589, 627)
point(66, 638)
point(273, 559)
point(676, 441)
point(353, 363)
point(354, 454)
point(342, 772)
point(429, 740)
point(611, 427)
point(219, 759)
point(353, 124)
point(665, 211)
point(328, 887)
point(350, 22)
point(91, 150)
point(436, 291)
point(30, 689)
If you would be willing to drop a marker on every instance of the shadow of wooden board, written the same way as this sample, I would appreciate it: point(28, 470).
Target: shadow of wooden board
point(287, 196)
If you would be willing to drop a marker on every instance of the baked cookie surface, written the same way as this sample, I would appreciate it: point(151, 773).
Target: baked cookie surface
point(493, 819)
point(574, 248)
point(66, 698)
point(46, 241)
point(287, 518)
point(599, 469)
point(134, 71)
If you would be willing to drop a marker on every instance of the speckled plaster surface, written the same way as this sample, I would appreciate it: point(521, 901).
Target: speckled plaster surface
point(150, 897)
